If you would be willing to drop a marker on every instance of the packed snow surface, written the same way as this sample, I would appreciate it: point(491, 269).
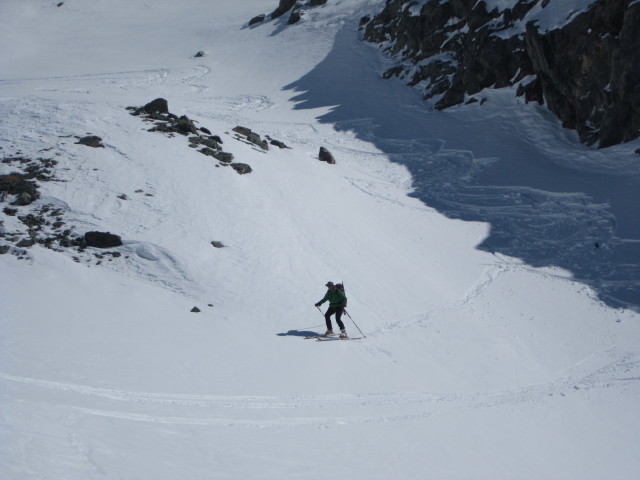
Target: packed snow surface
point(475, 365)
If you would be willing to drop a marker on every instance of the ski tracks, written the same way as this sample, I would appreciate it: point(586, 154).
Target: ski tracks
point(610, 369)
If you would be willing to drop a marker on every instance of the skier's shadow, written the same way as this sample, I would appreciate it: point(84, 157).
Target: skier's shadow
point(297, 333)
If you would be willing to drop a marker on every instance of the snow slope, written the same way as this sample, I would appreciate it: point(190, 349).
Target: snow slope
point(474, 365)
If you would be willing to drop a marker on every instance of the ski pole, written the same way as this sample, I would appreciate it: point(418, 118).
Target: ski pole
point(363, 335)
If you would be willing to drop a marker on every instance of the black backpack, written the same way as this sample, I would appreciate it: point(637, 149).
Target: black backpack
point(340, 286)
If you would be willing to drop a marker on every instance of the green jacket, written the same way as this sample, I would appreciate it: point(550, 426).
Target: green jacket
point(335, 297)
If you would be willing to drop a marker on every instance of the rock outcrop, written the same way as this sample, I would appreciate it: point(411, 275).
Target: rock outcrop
point(583, 65)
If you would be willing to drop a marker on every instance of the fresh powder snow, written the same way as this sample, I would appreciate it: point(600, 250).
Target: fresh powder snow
point(476, 365)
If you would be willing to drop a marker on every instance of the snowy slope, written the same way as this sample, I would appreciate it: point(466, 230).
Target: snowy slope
point(475, 365)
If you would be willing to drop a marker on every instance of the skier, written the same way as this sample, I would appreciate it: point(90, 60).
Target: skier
point(337, 303)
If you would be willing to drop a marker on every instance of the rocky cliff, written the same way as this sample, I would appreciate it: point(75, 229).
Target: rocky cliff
point(581, 58)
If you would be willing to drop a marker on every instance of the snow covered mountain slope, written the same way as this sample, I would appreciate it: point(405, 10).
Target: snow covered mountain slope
point(474, 365)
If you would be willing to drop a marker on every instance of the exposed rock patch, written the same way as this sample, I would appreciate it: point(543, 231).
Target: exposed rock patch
point(91, 141)
point(586, 69)
point(38, 224)
point(325, 156)
point(199, 138)
point(102, 240)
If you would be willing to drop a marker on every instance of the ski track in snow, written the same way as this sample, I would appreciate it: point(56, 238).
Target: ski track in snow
point(125, 80)
point(617, 370)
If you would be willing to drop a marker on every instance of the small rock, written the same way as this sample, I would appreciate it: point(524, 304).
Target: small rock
point(199, 54)
point(278, 143)
point(241, 168)
point(195, 310)
point(23, 199)
point(102, 240)
point(257, 19)
point(185, 125)
point(295, 17)
point(91, 141)
point(4, 249)
point(159, 105)
point(26, 243)
point(242, 130)
point(326, 156)
point(217, 244)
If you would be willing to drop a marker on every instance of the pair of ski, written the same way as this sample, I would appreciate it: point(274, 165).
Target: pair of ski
point(328, 338)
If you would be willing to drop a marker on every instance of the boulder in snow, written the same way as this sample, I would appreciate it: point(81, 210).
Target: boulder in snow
point(91, 141)
point(326, 156)
point(102, 240)
point(159, 105)
point(241, 168)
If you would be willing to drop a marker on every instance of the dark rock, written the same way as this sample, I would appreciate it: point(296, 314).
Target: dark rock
point(185, 125)
point(242, 130)
point(218, 155)
point(224, 157)
point(278, 143)
point(587, 71)
point(241, 168)
point(18, 184)
point(326, 156)
point(23, 199)
point(195, 310)
point(11, 212)
point(199, 54)
point(26, 243)
point(283, 7)
point(256, 140)
point(532, 91)
point(295, 17)
point(91, 141)
point(4, 249)
point(252, 137)
point(32, 221)
point(206, 141)
point(159, 105)
point(257, 19)
point(102, 240)
point(205, 130)
point(316, 3)
point(217, 244)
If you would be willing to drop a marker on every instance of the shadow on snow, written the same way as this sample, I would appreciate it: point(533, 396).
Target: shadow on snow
point(480, 163)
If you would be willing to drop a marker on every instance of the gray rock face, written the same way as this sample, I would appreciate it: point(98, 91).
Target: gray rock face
point(587, 71)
